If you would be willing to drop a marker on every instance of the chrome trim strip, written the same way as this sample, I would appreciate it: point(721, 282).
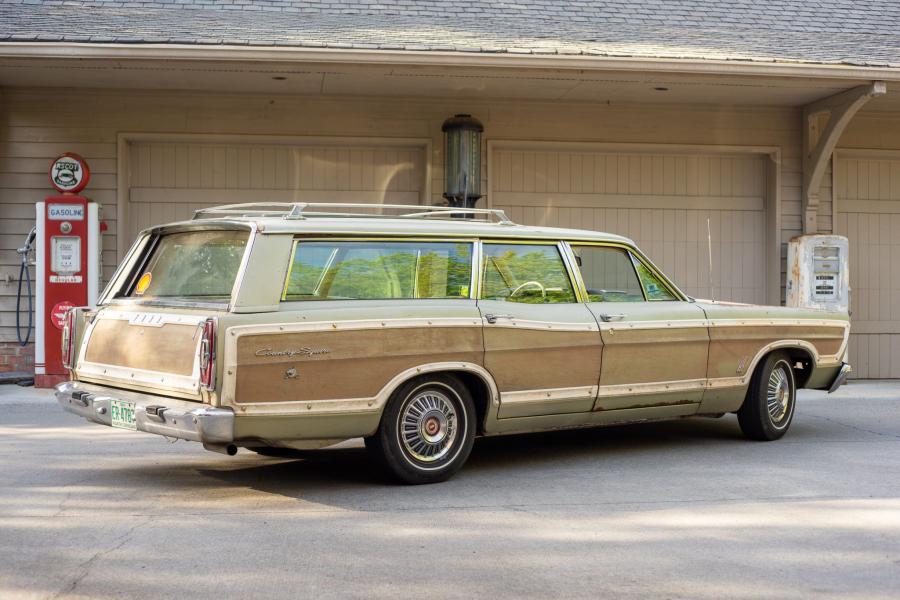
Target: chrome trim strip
point(752, 322)
point(673, 324)
point(548, 394)
point(239, 330)
point(655, 387)
point(515, 323)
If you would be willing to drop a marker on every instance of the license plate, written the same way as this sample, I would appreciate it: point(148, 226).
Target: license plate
point(121, 414)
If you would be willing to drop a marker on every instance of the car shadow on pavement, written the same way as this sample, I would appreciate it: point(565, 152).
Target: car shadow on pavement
point(329, 469)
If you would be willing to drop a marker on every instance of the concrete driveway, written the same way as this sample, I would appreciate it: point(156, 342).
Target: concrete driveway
point(685, 509)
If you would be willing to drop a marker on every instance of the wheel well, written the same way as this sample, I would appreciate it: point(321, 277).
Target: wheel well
point(481, 395)
point(802, 356)
point(796, 355)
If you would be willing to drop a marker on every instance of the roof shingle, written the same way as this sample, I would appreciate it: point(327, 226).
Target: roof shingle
point(823, 32)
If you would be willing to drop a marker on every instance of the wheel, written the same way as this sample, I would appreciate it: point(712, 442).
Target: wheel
point(769, 406)
point(427, 430)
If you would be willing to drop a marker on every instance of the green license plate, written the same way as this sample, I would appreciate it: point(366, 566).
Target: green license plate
point(121, 414)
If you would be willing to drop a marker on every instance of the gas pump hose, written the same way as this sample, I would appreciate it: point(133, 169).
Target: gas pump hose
point(25, 273)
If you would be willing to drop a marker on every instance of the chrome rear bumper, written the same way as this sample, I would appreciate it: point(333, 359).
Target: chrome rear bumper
point(841, 378)
point(172, 418)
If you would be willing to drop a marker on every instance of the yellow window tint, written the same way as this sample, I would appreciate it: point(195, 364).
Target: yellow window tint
point(528, 273)
point(608, 274)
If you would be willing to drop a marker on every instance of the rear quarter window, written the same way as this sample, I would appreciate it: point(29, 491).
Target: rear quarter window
point(378, 270)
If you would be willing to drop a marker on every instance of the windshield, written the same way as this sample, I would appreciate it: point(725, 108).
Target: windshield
point(200, 265)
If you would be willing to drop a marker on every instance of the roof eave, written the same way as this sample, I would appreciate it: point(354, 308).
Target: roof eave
point(300, 54)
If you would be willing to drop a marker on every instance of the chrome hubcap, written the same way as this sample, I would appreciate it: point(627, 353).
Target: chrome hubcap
point(778, 394)
point(428, 426)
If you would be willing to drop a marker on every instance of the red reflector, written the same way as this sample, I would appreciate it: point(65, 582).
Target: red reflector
point(208, 355)
point(68, 338)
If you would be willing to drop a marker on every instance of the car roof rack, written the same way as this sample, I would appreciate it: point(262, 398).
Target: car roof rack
point(301, 210)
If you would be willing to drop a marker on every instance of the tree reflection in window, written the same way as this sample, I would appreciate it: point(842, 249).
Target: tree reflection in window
point(533, 274)
point(378, 270)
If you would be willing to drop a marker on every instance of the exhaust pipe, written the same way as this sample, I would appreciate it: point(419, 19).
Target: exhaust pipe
point(229, 449)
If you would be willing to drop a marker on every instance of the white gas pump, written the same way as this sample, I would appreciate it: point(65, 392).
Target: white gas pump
point(818, 272)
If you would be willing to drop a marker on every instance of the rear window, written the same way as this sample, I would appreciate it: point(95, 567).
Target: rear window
point(199, 265)
point(378, 270)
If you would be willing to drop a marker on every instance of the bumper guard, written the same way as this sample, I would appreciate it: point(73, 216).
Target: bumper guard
point(841, 378)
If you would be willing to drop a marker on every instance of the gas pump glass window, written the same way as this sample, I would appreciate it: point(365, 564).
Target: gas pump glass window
point(199, 265)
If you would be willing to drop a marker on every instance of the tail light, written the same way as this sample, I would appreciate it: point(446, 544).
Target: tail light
point(208, 355)
point(68, 339)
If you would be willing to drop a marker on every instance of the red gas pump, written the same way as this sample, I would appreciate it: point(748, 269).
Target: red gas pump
point(67, 253)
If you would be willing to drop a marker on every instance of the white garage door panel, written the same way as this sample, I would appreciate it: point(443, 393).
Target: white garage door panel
point(171, 180)
point(661, 201)
point(868, 191)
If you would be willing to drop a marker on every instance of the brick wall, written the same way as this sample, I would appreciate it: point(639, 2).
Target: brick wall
point(14, 357)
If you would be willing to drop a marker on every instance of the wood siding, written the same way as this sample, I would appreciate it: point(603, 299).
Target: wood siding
point(168, 181)
point(33, 129)
point(868, 213)
point(662, 201)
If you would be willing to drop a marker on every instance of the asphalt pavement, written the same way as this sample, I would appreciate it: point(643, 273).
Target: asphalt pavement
point(684, 509)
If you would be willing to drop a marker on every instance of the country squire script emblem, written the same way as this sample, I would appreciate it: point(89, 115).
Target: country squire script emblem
point(291, 352)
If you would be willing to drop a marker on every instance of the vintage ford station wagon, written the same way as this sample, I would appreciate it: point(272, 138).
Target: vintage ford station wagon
point(285, 327)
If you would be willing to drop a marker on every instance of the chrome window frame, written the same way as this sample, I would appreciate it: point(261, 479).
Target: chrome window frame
point(560, 247)
point(633, 254)
point(145, 243)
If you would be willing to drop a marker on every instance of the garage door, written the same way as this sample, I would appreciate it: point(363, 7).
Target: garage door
point(661, 201)
point(868, 193)
point(168, 181)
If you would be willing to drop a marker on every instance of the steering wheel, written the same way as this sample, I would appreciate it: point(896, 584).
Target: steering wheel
point(536, 284)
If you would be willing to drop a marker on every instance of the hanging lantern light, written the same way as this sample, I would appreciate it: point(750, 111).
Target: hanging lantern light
point(462, 160)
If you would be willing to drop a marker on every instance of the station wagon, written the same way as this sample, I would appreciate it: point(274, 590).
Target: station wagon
point(284, 327)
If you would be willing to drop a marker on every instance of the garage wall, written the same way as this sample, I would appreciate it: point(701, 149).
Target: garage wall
point(34, 130)
point(660, 200)
point(868, 213)
point(169, 181)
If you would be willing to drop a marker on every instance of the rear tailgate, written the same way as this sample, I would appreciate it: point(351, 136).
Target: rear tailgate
point(150, 351)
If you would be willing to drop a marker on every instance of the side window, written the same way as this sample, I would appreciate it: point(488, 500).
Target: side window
point(608, 274)
point(378, 270)
point(528, 273)
point(653, 287)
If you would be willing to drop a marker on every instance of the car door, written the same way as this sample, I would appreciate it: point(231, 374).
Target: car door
point(655, 342)
point(542, 345)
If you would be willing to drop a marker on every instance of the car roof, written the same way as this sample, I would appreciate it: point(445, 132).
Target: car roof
point(432, 227)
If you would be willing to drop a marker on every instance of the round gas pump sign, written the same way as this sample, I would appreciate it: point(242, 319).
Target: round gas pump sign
point(58, 314)
point(69, 173)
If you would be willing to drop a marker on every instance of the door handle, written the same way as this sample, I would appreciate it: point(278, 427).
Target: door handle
point(491, 318)
point(606, 317)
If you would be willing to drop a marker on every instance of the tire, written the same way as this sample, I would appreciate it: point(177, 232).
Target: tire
point(439, 415)
point(768, 409)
